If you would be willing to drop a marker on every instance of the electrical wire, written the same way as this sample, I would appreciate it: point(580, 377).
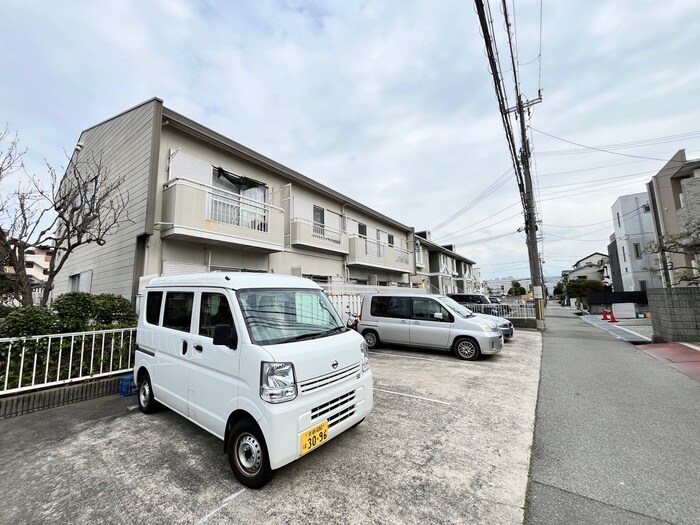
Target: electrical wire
point(627, 145)
point(593, 148)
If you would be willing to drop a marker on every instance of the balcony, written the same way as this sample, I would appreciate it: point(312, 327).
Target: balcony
point(374, 254)
point(307, 233)
point(200, 213)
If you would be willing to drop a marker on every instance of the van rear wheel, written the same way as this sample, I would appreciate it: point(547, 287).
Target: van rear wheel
point(247, 455)
point(467, 349)
point(371, 338)
point(147, 404)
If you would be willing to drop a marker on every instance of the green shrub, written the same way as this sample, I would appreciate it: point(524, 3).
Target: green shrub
point(31, 320)
point(5, 310)
point(75, 311)
point(114, 309)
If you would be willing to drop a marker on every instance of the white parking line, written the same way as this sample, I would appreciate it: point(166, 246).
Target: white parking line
point(223, 504)
point(414, 397)
point(407, 357)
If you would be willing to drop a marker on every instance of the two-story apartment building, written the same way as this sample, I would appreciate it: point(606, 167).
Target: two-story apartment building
point(674, 197)
point(440, 269)
point(198, 201)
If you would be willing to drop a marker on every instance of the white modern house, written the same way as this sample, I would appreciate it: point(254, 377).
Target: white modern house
point(440, 269)
point(198, 201)
point(634, 232)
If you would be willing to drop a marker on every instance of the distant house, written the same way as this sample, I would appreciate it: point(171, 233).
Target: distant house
point(630, 261)
point(440, 268)
point(593, 267)
point(36, 263)
point(198, 201)
point(674, 197)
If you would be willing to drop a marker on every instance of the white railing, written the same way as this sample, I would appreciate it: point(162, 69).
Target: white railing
point(402, 256)
point(236, 210)
point(514, 311)
point(322, 231)
point(29, 363)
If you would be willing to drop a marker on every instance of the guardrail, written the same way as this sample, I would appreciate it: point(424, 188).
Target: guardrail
point(30, 363)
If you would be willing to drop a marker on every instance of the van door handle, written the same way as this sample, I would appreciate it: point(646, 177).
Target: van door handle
point(198, 348)
point(184, 347)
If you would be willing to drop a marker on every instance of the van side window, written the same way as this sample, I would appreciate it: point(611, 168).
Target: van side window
point(425, 308)
point(388, 306)
point(178, 310)
point(153, 302)
point(214, 309)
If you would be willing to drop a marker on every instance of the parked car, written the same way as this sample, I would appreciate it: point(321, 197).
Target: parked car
point(261, 361)
point(504, 325)
point(479, 303)
point(427, 321)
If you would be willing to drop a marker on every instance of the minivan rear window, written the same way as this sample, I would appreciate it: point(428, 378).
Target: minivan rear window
point(153, 301)
point(388, 306)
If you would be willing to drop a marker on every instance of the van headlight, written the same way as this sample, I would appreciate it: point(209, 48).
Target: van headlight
point(277, 383)
point(365, 356)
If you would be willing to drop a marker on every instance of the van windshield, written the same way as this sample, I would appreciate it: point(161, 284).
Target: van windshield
point(275, 316)
point(456, 308)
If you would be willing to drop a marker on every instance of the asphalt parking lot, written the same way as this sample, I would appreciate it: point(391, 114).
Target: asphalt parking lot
point(448, 442)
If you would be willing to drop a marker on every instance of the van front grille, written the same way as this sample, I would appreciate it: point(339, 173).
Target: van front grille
point(329, 379)
point(336, 410)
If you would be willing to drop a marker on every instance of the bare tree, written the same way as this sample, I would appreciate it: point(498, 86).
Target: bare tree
point(687, 243)
point(82, 207)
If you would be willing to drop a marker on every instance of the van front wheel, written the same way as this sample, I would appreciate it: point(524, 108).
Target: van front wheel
point(371, 338)
point(247, 455)
point(467, 349)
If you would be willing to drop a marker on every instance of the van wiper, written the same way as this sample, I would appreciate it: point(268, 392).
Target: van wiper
point(316, 335)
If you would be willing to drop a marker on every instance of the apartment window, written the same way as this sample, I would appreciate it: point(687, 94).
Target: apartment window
point(643, 286)
point(28, 264)
point(362, 230)
point(241, 208)
point(390, 239)
point(80, 282)
point(619, 224)
point(624, 256)
point(637, 250)
point(319, 221)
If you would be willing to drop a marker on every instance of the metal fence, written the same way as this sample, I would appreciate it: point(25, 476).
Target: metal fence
point(30, 363)
point(509, 311)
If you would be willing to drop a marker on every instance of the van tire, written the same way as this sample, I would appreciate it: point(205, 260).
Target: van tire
point(371, 338)
point(247, 455)
point(466, 348)
point(147, 404)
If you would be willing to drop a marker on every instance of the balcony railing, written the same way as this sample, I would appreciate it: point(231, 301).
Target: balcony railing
point(373, 253)
point(316, 235)
point(198, 211)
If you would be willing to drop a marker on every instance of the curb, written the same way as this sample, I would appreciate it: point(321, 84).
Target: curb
point(21, 404)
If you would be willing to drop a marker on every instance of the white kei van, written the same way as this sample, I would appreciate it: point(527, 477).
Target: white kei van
point(261, 361)
point(427, 321)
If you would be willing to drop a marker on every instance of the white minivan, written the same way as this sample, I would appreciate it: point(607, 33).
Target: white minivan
point(261, 361)
point(427, 321)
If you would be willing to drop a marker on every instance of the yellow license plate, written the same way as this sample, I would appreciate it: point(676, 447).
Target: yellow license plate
point(314, 437)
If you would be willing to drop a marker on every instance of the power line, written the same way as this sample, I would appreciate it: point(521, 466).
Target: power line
point(595, 148)
point(627, 145)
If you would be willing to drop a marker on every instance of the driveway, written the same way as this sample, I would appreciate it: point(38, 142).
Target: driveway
point(448, 442)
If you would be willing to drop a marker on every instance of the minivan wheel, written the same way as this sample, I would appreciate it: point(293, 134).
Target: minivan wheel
point(147, 404)
point(467, 349)
point(247, 455)
point(371, 338)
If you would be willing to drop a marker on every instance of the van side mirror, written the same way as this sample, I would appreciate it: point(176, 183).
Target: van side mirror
point(438, 316)
point(225, 335)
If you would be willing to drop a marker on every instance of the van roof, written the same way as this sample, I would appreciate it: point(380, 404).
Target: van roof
point(233, 280)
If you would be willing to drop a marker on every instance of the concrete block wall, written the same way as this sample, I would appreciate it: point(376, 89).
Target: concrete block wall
point(675, 314)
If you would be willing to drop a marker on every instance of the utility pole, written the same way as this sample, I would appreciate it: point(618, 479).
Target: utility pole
point(520, 156)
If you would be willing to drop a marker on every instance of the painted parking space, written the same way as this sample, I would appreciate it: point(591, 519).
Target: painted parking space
point(448, 442)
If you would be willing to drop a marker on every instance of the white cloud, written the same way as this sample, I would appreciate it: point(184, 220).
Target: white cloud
point(390, 103)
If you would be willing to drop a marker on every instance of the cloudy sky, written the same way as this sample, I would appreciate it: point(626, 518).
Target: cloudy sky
point(388, 102)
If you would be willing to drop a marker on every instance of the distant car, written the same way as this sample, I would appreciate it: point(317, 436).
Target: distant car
point(495, 299)
point(504, 325)
point(479, 303)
